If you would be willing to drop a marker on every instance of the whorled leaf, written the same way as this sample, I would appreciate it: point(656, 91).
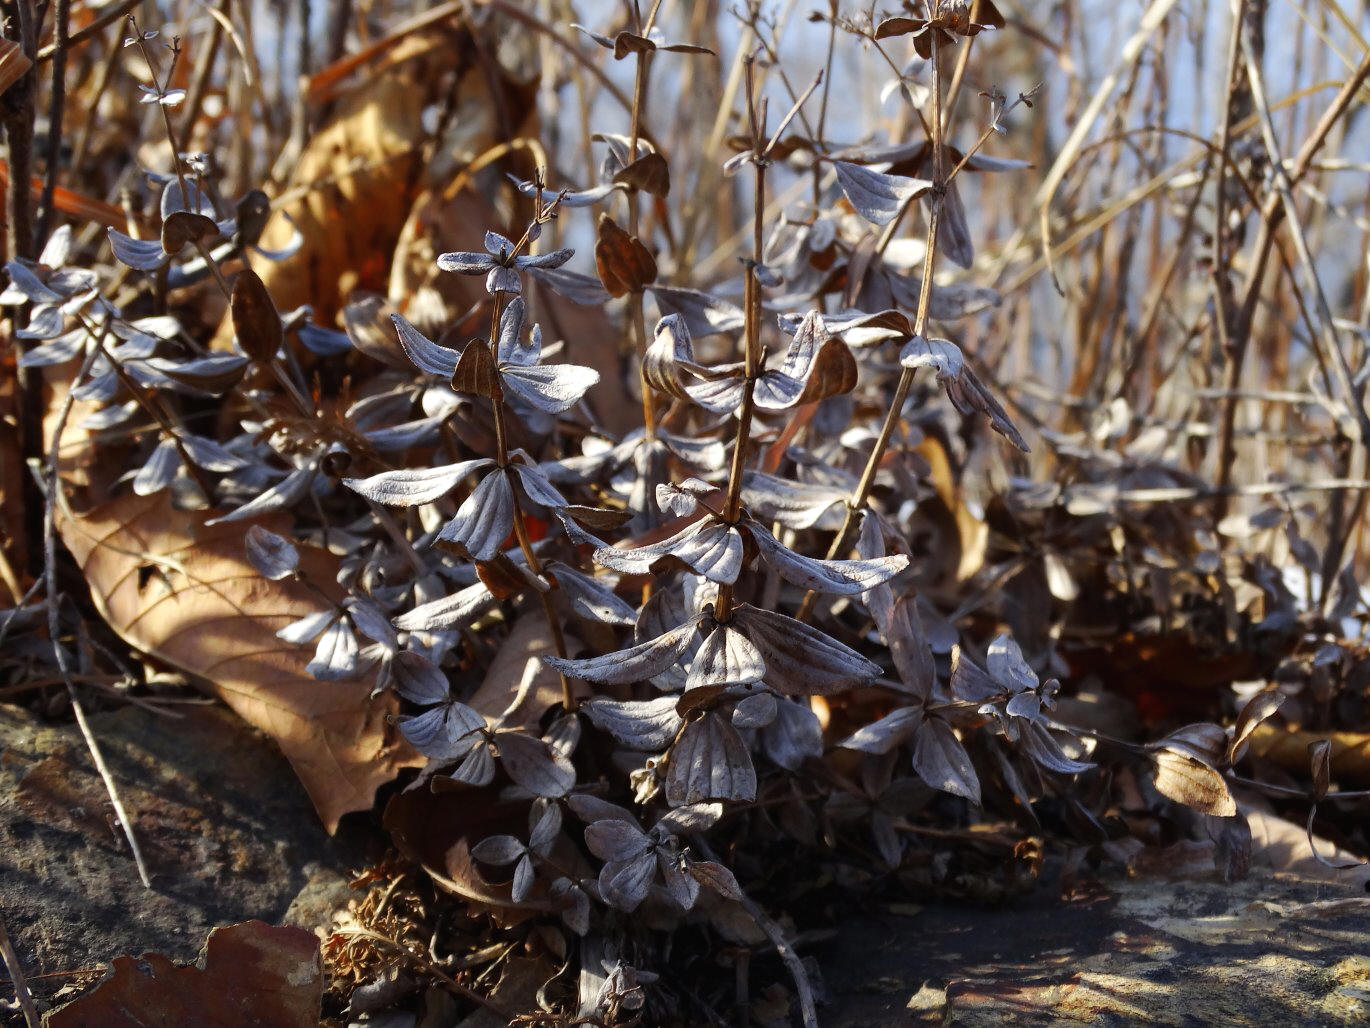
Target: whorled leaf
point(710, 762)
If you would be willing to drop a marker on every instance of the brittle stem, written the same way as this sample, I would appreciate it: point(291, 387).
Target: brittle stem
point(568, 698)
point(752, 337)
point(842, 542)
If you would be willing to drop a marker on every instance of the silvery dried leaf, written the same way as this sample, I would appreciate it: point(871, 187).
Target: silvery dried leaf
point(274, 556)
point(428, 356)
point(954, 237)
point(942, 762)
point(591, 808)
point(418, 679)
point(794, 736)
point(840, 577)
point(409, 487)
point(725, 658)
point(624, 884)
point(888, 733)
point(336, 656)
point(800, 659)
point(477, 767)
point(498, 850)
point(1039, 744)
point(545, 829)
point(680, 887)
point(710, 762)
point(703, 315)
point(634, 664)
point(286, 493)
point(876, 196)
point(579, 289)
point(647, 725)
point(532, 764)
point(1007, 667)
point(968, 681)
point(484, 519)
point(447, 613)
point(708, 547)
point(755, 711)
point(591, 598)
point(158, 470)
point(550, 388)
point(611, 839)
point(795, 505)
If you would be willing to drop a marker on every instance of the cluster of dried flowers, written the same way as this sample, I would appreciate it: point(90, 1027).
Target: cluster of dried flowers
point(727, 593)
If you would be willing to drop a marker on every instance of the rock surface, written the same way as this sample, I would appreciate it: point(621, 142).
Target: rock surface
point(1187, 949)
point(228, 834)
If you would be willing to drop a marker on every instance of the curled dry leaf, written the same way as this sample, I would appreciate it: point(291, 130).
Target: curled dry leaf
point(649, 173)
point(184, 593)
point(624, 264)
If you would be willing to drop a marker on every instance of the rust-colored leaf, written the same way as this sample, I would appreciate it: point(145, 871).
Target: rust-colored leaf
point(649, 173)
point(477, 373)
point(624, 264)
point(254, 974)
point(256, 321)
point(185, 594)
point(183, 228)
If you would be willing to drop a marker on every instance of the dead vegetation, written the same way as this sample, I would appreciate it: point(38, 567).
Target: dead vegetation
point(688, 467)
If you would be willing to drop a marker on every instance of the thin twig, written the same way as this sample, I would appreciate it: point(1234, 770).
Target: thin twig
point(56, 109)
point(808, 1010)
point(16, 970)
point(54, 615)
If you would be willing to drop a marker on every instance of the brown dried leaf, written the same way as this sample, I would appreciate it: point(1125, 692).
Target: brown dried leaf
point(649, 173)
point(256, 321)
point(182, 228)
point(1185, 780)
point(254, 974)
point(477, 373)
point(185, 594)
point(623, 263)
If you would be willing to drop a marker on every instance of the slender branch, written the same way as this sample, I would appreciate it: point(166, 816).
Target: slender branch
point(21, 985)
point(56, 110)
point(857, 503)
point(54, 486)
point(808, 1009)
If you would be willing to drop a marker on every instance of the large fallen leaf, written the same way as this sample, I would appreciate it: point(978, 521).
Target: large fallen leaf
point(185, 594)
point(254, 974)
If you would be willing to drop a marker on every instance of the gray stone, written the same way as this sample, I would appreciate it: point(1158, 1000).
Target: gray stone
point(228, 834)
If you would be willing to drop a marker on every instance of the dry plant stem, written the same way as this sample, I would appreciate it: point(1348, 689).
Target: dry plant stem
point(1272, 213)
point(636, 313)
point(857, 503)
point(54, 485)
point(204, 68)
point(752, 355)
point(92, 30)
point(56, 108)
point(808, 1010)
point(568, 696)
point(21, 985)
point(166, 111)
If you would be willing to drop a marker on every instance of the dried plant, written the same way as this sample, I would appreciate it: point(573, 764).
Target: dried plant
point(796, 604)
